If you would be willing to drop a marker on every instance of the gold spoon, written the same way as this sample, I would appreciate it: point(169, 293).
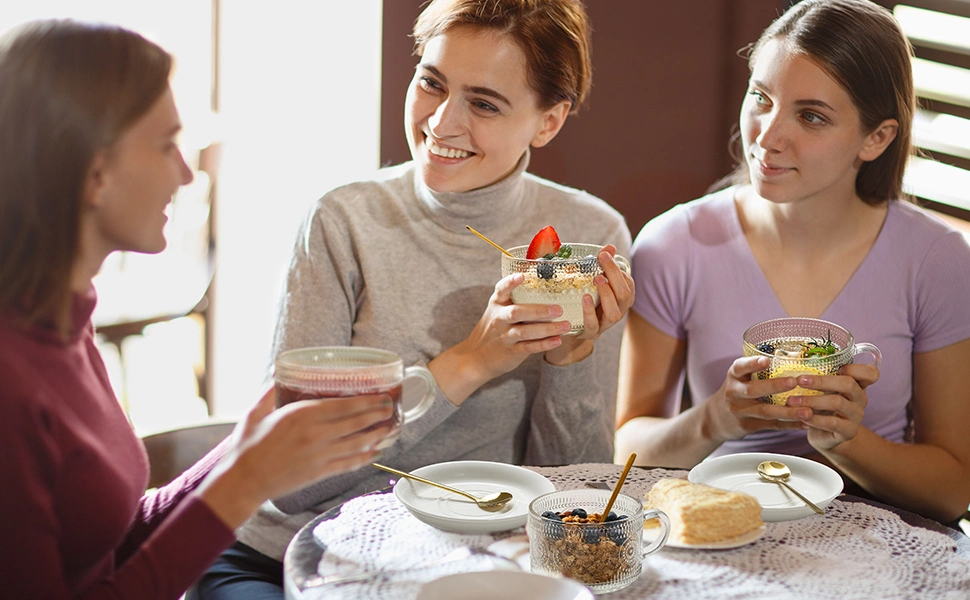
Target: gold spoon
point(776, 472)
point(619, 484)
point(504, 251)
point(490, 502)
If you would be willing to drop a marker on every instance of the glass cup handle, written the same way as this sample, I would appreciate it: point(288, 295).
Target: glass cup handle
point(658, 543)
point(865, 347)
point(623, 263)
point(427, 400)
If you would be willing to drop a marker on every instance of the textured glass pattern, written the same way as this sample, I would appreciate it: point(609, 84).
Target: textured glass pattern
point(603, 556)
point(783, 339)
point(558, 281)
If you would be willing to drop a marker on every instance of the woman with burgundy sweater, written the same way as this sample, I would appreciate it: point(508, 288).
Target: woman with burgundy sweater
point(88, 164)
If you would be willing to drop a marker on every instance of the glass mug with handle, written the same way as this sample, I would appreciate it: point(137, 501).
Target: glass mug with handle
point(341, 371)
point(803, 346)
point(604, 556)
point(562, 281)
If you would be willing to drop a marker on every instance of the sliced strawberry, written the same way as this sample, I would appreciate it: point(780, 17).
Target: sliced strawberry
point(544, 242)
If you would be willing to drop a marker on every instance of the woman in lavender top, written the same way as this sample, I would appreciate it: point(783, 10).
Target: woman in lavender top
point(812, 226)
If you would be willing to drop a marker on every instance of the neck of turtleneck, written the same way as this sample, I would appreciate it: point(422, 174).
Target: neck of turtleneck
point(488, 207)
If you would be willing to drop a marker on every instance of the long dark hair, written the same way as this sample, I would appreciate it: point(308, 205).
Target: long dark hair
point(67, 91)
point(861, 46)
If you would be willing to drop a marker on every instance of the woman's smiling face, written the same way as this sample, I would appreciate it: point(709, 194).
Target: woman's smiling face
point(470, 113)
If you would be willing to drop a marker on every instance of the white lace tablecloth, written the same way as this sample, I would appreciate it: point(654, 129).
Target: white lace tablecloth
point(853, 551)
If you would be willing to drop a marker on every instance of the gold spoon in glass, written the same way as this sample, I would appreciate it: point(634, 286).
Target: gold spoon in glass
point(776, 472)
point(490, 502)
point(503, 250)
point(619, 484)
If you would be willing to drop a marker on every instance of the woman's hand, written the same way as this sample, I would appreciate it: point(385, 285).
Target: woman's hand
point(503, 338)
point(837, 415)
point(275, 452)
point(616, 290)
point(737, 409)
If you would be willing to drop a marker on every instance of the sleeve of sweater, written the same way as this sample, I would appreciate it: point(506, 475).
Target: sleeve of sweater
point(324, 266)
point(158, 505)
point(173, 539)
point(172, 558)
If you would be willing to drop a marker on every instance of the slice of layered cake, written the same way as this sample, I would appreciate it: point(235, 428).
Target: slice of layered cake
point(700, 514)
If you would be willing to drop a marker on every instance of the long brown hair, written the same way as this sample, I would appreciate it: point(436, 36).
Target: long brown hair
point(861, 46)
point(67, 91)
point(554, 35)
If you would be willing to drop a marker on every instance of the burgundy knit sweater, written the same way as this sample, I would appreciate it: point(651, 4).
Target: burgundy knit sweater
point(74, 518)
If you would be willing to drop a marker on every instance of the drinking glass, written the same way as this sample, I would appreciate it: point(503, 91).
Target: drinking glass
point(796, 332)
point(603, 556)
point(559, 281)
point(341, 371)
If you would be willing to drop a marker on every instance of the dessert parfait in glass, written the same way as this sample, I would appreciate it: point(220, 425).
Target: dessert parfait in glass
point(557, 273)
point(802, 346)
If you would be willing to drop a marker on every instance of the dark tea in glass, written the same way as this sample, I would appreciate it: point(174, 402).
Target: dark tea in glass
point(341, 372)
point(288, 393)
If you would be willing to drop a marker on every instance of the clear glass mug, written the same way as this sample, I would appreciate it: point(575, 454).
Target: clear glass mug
point(559, 281)
point(795, 332)
point(341, 371)
point(603, 556)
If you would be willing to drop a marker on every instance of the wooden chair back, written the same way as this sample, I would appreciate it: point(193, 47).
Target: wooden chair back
point(171, 452)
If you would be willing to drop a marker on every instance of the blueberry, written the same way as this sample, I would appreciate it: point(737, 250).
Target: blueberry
point(552, 515)
point(588, 264)
point(611, 517)
point(579, 512)
point(545, 270)
point(621, 517)
point(591, 535)
point(766, 348)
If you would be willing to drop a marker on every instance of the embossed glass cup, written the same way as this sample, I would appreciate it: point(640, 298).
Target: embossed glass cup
point(341, 371)
point(796, 332)
point(559, 281)
point(603, 556)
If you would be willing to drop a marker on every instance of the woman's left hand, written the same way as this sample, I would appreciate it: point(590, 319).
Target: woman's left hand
point(836, 416)
point(616, 290)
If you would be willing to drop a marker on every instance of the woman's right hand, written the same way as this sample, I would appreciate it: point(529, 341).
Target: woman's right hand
point(275, 452)
point(503, 338)
point(736, 409)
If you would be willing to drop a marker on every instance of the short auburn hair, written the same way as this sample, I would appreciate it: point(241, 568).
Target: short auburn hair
point(554, 35)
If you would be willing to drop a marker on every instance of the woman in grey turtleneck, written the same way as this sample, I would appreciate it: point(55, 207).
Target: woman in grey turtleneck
point(388, 263)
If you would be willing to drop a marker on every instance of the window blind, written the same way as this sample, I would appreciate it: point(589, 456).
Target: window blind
point(940, 33)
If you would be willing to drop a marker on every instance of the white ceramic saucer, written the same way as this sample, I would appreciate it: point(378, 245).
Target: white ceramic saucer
point(649, 534)
point(494, 585)
point(450, 512)
point(738, 473)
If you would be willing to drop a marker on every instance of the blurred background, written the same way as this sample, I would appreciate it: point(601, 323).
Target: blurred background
point(282, 101)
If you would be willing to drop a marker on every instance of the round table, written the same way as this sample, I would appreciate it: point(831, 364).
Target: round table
point(303, 556)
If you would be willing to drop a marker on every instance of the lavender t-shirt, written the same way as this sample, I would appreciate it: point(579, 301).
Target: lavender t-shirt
point(696, 279)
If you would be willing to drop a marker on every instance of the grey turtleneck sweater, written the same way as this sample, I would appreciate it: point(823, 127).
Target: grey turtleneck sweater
point(388, 263)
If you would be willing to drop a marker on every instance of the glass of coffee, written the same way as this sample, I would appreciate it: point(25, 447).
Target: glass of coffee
point(342, 371)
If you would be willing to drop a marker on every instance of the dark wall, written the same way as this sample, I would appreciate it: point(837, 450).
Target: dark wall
point(667, 86)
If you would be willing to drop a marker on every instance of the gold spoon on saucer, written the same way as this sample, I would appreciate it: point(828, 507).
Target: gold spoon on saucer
point(490, 502)
point(776, 472)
